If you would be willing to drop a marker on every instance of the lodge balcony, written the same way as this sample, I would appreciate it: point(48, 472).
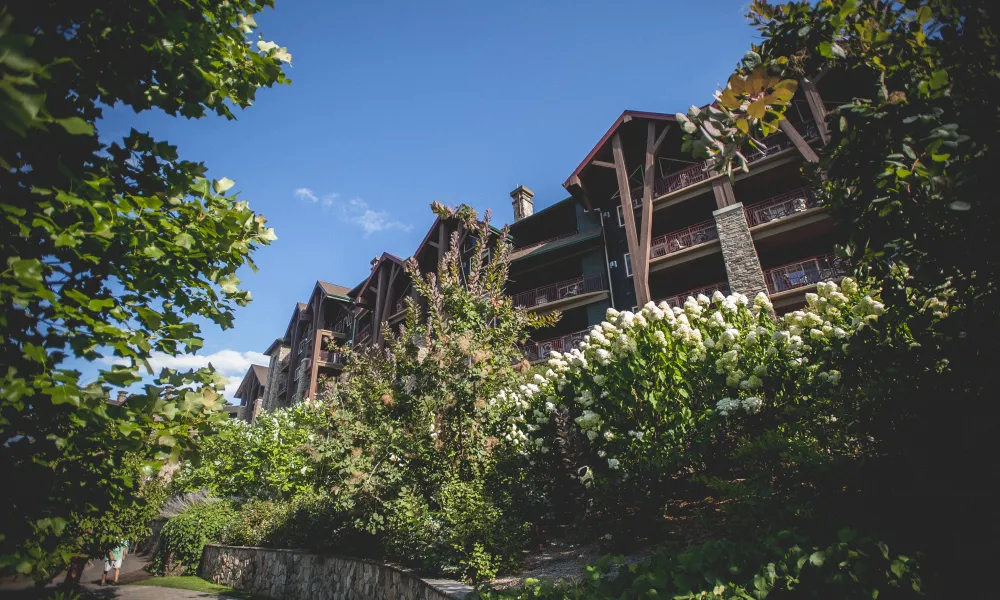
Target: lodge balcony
point(331, 358)
point(685, 244)
point(363, 336)
point(399, 306)
point(787, 283)
point(708, 290)
point(542, 349)
point(792, 210)
point(689, 177)
point(563, 295)
point(341, 328)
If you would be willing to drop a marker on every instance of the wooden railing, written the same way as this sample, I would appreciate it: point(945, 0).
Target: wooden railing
point(341, 326)
point(781, 206)
point(540, 350)
point(560, 291)
point(706, 169)
point(804, 272)
point(708, 290)
point(364, 336)
point(331, 357)
point(675, 241)
point(400, 304)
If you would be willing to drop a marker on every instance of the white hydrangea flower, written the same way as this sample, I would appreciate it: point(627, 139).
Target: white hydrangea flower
point(752, 405)
point(724, 406)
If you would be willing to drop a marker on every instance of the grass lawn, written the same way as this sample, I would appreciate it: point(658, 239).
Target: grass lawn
point(196, 584)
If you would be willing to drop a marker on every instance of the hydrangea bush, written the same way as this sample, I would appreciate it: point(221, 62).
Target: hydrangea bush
point(658, 388)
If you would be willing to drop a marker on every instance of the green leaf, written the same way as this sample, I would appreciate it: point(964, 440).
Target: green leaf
point(76, 126)
point(26, 271)
point(221, 186)
point(924, 14)
point(898, 568)
point(817, 558)
point(184, 240)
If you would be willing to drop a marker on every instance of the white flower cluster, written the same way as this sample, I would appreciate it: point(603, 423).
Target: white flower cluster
point(750, 405)
point(724, 344)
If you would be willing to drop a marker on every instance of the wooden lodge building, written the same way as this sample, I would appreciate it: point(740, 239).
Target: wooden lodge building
point(643, 222)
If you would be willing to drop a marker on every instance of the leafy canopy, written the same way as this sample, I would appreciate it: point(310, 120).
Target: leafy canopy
point(112, 249)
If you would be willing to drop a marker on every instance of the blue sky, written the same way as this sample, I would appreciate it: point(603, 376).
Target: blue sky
point(394, 105)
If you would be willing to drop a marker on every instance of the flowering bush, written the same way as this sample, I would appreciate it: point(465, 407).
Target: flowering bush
point(661, 387)
point(269, 459)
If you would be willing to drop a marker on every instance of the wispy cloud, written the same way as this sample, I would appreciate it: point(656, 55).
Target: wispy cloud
point(230, 363)
point(354, 211)
point(357, 212)
point(306, 194)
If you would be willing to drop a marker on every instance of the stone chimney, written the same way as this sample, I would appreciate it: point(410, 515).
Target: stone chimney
point(523, 206)
point(122, 395)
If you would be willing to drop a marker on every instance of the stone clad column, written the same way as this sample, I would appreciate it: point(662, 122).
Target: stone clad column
point(742, 264)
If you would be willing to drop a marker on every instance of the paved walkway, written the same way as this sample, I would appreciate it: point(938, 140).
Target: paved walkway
point(147, 592)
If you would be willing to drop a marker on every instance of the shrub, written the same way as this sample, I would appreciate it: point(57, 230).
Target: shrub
point(695, 390)
point(184, 537)
point(779, 567)
point(257, 523)
point(464, 533)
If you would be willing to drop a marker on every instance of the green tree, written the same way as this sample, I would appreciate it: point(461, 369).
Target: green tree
point(435, 455)
point(112, 249)
point(906, 173)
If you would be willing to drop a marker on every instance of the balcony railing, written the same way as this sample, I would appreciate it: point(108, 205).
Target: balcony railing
point(708, 290)
point(560, 291)
point(364, 336)
point(781, 206)
point(534, 351)
point(341, 326)
point(701, 171)
point(681, 239)
point(400, 304)
point(331, 357)
point(803, 273)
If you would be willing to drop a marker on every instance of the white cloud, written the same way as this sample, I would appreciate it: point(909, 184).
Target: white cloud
point(227, 362)
point(230, 363)
point(357, 212)
point(232, 385)
point(306, 194)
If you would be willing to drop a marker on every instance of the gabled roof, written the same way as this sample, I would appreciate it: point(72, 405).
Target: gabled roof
point(332, 289)
point(277, 343)
point(626, 116)
point(378, 265)
point(554, 244)
point(261, 372)
point(256, 373)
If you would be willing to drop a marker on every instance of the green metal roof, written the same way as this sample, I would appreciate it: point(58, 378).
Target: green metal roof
point(583, 236)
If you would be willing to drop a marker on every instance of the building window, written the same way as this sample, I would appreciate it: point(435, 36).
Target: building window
point(628, 265)
point(621, 216)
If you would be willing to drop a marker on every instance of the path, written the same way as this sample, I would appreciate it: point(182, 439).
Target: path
point(148, 592)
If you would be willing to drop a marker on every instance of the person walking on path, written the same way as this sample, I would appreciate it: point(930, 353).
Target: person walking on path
point(114, 561)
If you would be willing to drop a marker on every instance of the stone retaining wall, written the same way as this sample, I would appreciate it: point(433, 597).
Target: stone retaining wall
point(298, 575)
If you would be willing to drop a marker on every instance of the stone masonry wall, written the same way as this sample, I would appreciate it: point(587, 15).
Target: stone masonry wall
point(275, 377)
point(297, 575)
point(738, 251)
